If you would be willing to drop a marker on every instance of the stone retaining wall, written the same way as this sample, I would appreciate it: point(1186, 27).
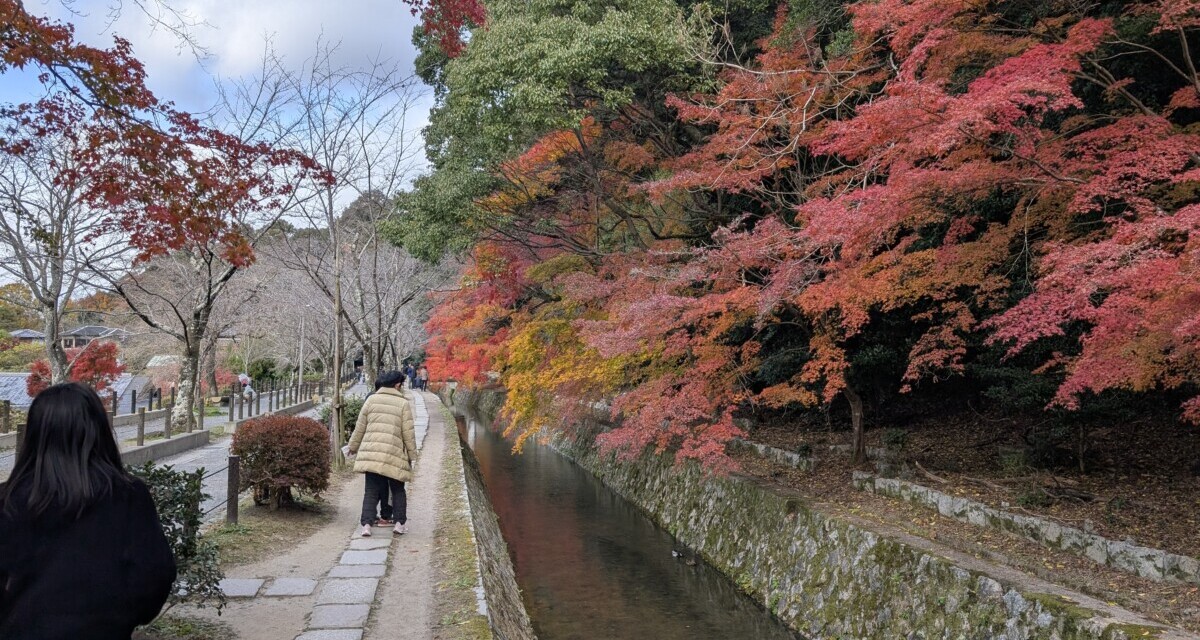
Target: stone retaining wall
point(775, 454)
point(136, 456)
point(299, 407)
point(830, 577)
point(505, 609)
point(1146, 562)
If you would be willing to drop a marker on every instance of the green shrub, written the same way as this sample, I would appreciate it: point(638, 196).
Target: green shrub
point(895, 439)
point(20, 356)
point(280, 453)
point(177, 496)
point(351, 407)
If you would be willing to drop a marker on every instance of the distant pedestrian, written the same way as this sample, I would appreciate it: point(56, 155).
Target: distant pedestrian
point(82, 552)
point(410, 374)
point(385, 445)
point(248, 392)
point(423, 378)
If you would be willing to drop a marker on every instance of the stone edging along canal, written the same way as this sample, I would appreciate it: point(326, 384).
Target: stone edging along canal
point(839, 577)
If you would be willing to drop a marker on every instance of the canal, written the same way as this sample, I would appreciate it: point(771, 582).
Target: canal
point(590, 565)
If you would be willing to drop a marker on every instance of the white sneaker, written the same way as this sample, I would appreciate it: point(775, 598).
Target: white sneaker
point(400, 529)
point(366, 531)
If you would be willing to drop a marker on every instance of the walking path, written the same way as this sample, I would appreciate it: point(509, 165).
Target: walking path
point(154, 425)
point(339, 586)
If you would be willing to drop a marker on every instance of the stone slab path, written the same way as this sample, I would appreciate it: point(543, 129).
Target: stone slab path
point(378, 587)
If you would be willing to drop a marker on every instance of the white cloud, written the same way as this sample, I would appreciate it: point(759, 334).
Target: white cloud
point(234, 32)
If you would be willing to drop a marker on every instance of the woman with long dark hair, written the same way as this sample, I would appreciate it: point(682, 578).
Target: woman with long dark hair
point(82, 552)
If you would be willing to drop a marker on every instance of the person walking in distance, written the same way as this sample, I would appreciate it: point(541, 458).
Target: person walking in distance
point(82, 551)
point(423, 378)
point(384, 443)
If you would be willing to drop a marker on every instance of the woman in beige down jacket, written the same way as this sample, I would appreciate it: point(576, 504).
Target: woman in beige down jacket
point(386, 448)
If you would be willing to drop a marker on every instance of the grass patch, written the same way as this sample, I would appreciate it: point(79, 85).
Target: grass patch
point(455, 559)
point(261, 532)
point(177, 627)
point(150, 437)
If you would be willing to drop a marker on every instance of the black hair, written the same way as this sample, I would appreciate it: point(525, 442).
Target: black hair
point(389, 379)
point(68, 458)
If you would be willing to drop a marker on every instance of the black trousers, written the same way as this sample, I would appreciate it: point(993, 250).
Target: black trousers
point(375, 490)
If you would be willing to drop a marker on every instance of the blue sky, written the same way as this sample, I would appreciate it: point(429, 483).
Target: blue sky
point(234, 33)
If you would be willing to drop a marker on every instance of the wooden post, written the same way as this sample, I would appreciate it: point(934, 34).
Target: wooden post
point(167, 424)
point(133, 401)
point(141, 426)
point(6, 417)
point(241, 406)
point(257, 403)
point(231, 494)
point(232, 398)
point(200, 416)
point(172, 395)
point(160, 399)
point(114, 404)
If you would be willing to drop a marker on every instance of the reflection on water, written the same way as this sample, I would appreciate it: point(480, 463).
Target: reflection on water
point(591, 566)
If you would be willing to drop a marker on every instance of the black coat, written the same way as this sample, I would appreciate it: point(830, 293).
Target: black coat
point(97, 577)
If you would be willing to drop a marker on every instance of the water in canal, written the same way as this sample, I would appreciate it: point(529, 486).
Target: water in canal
point(591, 566)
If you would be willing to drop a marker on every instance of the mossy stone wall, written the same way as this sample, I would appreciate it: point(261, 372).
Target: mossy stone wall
point(830, 577)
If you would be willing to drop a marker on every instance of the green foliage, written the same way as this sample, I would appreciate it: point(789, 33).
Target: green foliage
point(538, 66)
point(177, 496)
point(351, 407)
point(280, 453)
point(895, 439)
point(20, 356)
point(437, 215)
point(1013, 462)
point(264, 369)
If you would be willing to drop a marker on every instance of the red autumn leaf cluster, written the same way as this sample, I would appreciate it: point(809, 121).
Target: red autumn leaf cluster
point(97, 365)
point(940, 183)
point(166, 180)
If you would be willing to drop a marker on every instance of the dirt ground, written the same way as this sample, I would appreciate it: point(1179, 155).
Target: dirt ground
point(1138, 486)
point(310, 556)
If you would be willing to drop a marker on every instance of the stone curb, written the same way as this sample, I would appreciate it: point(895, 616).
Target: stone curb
point(1126, 556)
point(787, 458)
point(177, 444)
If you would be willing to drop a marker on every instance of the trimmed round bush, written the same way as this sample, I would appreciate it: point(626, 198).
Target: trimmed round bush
point(280, 453)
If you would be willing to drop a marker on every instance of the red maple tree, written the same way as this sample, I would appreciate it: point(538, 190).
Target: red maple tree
point(97, 365)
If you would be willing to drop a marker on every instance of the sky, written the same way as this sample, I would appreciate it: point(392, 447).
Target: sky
point(233, 33)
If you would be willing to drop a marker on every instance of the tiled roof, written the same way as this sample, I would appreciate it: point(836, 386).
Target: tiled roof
point(12, 388)
point(162, 361)
point(93, 331)
point(26, 333)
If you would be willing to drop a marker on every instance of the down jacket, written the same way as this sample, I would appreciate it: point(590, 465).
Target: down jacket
point(383, 436)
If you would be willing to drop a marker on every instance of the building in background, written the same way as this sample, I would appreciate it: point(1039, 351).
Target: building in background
point(85, 335)
point(28, 336)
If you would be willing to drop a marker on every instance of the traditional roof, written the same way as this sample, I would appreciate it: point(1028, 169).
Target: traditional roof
point(162, 361)
point(94, 331)
point(27, 333)
point(12, 388)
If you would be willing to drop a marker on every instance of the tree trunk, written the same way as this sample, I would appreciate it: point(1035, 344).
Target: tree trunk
point(210, 369)
point(370, 362)
point(56, 356)
point(183, 418)
point(859, 444)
